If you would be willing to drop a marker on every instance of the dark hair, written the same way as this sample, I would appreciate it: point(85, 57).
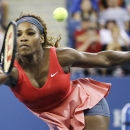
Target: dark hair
point(104, 3)
point(108, 21)
point(48, 40)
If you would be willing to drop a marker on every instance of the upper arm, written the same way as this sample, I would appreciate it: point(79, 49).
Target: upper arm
point(73, 58)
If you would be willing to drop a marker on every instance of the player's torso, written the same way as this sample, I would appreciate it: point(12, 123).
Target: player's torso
point(43, 86)
point(39, 73)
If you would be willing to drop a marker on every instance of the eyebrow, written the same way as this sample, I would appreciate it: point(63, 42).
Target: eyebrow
point(28, 29)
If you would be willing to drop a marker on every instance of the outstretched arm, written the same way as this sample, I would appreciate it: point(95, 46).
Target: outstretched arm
point(104, 59)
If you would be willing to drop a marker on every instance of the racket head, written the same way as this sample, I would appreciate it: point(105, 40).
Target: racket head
point(9, 48)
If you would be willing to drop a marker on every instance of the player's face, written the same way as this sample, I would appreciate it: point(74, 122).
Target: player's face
point(28, 39)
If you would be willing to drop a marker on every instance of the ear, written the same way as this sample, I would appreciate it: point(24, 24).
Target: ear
point(42, 39)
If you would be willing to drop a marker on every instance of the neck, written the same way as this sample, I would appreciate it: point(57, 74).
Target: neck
point(27, 61)
point(31, 59)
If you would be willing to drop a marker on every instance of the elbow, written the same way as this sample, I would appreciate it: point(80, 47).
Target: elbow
point(107, 63)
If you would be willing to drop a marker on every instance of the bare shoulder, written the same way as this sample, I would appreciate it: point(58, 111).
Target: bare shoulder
point(65, 51)
point(66, 55)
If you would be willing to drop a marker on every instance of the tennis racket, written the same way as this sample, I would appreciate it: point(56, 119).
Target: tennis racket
point(8, 50)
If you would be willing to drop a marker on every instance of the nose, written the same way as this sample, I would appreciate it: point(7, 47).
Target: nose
point(23, 38)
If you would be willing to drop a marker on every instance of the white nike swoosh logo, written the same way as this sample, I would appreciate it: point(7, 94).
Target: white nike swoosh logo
point(52, 75)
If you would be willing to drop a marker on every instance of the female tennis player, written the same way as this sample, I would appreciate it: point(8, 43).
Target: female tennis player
point(40, 79)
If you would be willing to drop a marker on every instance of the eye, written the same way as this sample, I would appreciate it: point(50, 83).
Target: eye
point(18, 34)
point(31, 33)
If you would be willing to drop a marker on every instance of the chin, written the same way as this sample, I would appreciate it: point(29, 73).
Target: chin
point(24, 53)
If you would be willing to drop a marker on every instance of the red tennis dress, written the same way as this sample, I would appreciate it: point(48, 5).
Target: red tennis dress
point(60, 102)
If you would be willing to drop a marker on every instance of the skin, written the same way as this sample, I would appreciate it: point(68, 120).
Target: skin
point(35, 62)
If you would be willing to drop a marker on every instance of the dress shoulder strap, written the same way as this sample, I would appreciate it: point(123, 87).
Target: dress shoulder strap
point(54, 63)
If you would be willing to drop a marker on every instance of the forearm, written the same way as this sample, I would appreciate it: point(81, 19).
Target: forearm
point(113, 58)
point(101, 59)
